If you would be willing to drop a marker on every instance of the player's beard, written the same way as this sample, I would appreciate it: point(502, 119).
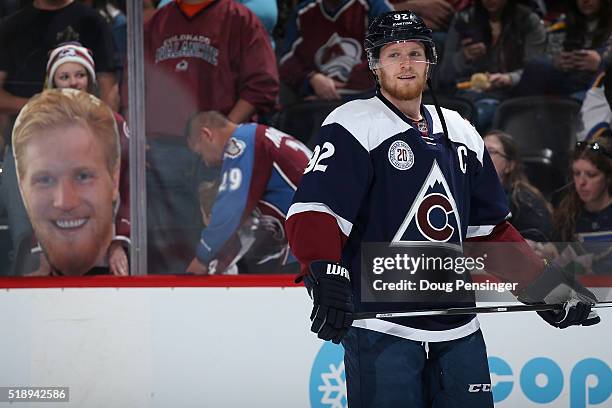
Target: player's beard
point(78, 257)
point(401, 91)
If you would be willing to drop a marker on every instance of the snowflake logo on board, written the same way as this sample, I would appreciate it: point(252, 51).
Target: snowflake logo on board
point(333, 388)
point(327, 378)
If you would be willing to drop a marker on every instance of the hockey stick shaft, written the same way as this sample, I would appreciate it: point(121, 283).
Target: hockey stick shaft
point(468, 310)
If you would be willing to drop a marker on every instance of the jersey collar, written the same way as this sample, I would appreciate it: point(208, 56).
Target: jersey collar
point(403, 117)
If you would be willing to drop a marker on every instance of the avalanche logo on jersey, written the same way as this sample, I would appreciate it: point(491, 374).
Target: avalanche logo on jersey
point(338, 57)
point(433, 215)
point(234, 148)
point(182, 66)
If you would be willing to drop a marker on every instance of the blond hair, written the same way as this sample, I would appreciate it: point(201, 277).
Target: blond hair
point(59, 108)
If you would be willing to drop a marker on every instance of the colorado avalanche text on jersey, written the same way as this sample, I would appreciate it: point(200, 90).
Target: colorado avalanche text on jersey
point(205, 62)
point(261, 168)
point(376, 179)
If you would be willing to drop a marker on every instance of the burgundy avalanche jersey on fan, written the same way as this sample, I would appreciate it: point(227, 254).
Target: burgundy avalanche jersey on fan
point(206, 62)
point(261, 168)
point(122, 219)
point(380, 180)
point(331, 43)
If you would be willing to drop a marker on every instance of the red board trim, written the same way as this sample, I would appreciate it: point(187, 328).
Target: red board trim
point(185, 281)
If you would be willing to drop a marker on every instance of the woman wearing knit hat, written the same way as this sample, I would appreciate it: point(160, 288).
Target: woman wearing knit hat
point(71, 65)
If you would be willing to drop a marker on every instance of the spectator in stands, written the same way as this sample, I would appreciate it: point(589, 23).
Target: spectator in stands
point(26, 38)
point(574, 51)
point(199, 55)
point(117, 20)
point(591, 192)
point(585, 213)
point(266, 10)
point(260, 169)
point(67, 156)
point(595, 113)
point(436, 13)
point(531, 212)
point(323, 56)
point(72, 66)
point(494, 38)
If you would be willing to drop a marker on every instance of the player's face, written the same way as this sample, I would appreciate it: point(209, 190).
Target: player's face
point(71, 75)
point(503, 166)
point(69, 193)
point(403, 71)
point(590, 182)
point(204, 143)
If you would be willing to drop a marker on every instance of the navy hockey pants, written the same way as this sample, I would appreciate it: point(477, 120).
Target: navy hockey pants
point(389, 371)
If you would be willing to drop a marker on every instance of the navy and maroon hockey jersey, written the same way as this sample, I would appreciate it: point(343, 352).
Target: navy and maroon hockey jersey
point(261, 168)
point(374, 178)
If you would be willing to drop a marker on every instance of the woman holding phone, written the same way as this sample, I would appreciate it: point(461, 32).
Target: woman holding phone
point(493, 37)
point(574, 52)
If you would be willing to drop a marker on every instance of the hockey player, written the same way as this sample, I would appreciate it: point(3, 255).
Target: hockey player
point(377, 164)
point(260, 168)
point(259, 245)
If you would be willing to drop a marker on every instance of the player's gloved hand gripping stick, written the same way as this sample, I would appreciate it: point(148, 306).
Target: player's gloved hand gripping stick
point(556, 295)
point(329, 286)
point(557, 285)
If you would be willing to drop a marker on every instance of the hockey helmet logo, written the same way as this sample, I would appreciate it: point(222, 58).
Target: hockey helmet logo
point(337, 57)
point(400, 155)
point(433, 215)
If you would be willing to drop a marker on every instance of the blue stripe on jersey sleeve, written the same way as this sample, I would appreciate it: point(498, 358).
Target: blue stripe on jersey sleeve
point(338, 174)
point(227, 211)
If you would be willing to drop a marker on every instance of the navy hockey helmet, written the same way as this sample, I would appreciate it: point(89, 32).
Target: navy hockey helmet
point(396, 26)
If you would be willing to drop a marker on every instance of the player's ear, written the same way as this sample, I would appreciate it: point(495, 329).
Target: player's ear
point(206, 134)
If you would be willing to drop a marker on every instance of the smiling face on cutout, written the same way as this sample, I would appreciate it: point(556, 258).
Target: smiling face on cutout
point(69, 193)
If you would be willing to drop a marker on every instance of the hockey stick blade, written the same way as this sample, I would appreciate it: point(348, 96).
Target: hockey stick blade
point(467, 310)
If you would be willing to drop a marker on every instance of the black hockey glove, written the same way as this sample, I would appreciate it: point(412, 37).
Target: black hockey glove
point(556, 285)
point(329, 287)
